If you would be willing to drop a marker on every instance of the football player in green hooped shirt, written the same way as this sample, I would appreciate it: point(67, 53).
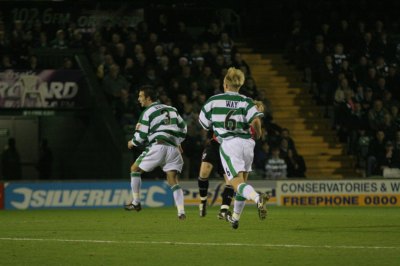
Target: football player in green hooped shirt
point(163, 129)
point(230, 116)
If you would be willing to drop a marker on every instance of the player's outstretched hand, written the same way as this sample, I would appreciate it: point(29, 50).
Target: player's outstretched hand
point(130, 144)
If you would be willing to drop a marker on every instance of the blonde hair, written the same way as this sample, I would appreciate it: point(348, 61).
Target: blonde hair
point(234, 78)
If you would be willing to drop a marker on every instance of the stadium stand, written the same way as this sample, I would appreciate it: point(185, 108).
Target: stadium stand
point(350, 63)
point(186, 61)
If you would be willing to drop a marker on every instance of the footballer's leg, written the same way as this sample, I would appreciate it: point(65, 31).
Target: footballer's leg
point(172, 179)
point(227, 196)
point(205, 171)
point(136, 183)
point(248, 192)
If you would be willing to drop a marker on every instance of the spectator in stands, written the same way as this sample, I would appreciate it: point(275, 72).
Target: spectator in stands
point(33, 63)
point(158, 53)
point(376, 115)
point(151, 78)
point(131, 43)
point(359, 94)
point(192, 150)
point(344, 34)
point(185, 79)
point(239, 62)
point(67, 63)
point(380, 87)
point(275, 167)
point(6, 62)
point(362, 147)
point(227, 46)
point(296, 166)
point(361, 70)
point(132, 74)
point(382, 68)
point(45, 162)
point(371, 79)
point(194, 91)
point(219, 65)
point(182, 38)
point(284, 148)
point(285, 134)
point(115, 40)
point(104, 68)
point(376, 149)
point(388, 126)
point(327, 35)
point(348, 73)
point(328, 82)
point(142, 63)
point(216, 86)
point(339, 99)
point(107, 30)
point(393, 81)
point(4, 43)
point(366, 46)
point(76, 40)
point(126, 109)
point(164, 70)
point(344, 116)
point(120, 54)
point(295, 41)
point(368, 101)
point(10, 162)
point(163, 28)
point(316, 63)
point(199, 101)
point(42, 42)
point(211, 34)
point(338, 56)
point(394, 112)
point(17, 35)
point(396, 142)
point(249, 88)
point(261, 156)
point(113, 84)
point(198, 66)
point(206, 79)
point(388, 159)
point(357, 120)
point(59, 42)
point(150, 44)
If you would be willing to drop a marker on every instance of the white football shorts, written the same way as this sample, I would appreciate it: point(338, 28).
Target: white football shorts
point(236, 155)
point(166, 156)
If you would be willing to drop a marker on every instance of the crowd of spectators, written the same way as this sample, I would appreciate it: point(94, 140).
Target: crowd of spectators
point(184, 68)
point(352, 66)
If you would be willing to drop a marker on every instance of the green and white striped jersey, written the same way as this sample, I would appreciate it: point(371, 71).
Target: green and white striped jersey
point(160, 122)
point(229, 114)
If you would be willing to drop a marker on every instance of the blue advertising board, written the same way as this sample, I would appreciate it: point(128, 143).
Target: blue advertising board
point(82, 195)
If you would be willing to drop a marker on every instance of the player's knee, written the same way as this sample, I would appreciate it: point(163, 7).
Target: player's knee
point(205, 172)
point(135, 168)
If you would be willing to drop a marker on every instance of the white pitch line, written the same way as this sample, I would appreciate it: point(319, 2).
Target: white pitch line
point(193, 243)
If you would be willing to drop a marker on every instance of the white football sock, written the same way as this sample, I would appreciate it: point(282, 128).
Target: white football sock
point(238, 207)
point(136, 182)
point(248, 192)
point(178, 197)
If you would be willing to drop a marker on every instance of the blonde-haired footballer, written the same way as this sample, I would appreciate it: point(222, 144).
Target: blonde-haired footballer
point(230, 116)
point(211, 160)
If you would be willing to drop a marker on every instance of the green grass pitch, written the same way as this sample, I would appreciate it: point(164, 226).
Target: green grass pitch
point(289, 236)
